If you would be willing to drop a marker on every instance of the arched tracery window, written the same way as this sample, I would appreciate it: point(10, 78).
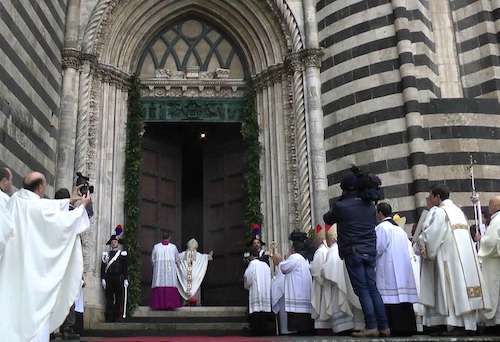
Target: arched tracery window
point(191, 45)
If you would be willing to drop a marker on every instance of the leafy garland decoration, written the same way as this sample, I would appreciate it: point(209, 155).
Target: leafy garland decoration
point(250, 134)
point(133, 161)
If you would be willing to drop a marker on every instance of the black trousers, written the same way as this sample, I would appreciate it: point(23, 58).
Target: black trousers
point(114, 298)
point(69, 323)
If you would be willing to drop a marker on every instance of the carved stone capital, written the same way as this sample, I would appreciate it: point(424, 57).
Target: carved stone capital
point(312, 57)
point(299, 60)
point(110, 74)
point(70, 59)
point(294, 62)
point(272, 75)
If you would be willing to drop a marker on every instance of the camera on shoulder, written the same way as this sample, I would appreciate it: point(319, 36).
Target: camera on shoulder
point(83, 181)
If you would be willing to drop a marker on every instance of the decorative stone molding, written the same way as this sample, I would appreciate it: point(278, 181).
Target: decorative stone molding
point(164, 87)
point(70, 59)
point(288, 23)
point(102, 12)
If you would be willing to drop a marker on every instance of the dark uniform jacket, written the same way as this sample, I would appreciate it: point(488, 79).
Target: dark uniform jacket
point(118, 268)
point(356, 221)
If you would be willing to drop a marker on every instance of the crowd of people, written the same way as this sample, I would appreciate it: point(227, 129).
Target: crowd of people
point(369, 278)
point(358, 274)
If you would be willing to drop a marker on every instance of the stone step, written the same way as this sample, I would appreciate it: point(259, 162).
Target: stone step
point(195, 319)
point(193, 311)
point(122, 329)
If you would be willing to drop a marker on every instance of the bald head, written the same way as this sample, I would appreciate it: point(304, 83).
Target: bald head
point(494, 205)
point(5, 180)
point(35, 182)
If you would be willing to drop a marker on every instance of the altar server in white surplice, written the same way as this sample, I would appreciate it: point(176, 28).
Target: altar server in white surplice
point(394, 273)
point(451, 281)
point(41, 270)
point(6, 228)
point(342, 305)
point(298, 283)
point(164, 294)
point(278, 300)
point(489, 252)
point(321, 319)
point(191, 269)
point(257, 280)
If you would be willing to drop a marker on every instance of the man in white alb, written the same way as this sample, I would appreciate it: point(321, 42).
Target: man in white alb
point(257, 280)
point(489, 252)
point(451, 281)
point(319, 314)
point(42, 267)
point(191, 269)
point(298, 283)
point(6, 228)
point(342, 304)
point(394, 273)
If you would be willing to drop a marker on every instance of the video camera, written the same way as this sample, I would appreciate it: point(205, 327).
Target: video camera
point(85, 185)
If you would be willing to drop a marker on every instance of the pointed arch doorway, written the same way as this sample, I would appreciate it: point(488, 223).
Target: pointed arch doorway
point(193, 154)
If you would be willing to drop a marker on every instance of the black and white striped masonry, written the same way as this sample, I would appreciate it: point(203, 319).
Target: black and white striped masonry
point(31, 40)
point(384, 108)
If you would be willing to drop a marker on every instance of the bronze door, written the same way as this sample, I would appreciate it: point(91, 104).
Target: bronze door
point(160, 199)
point(223, 230)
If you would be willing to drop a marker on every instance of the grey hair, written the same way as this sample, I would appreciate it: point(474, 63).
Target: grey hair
point(192, 245)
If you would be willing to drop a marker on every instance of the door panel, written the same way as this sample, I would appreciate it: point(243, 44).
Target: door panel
point(160, 199)
point(223, 221)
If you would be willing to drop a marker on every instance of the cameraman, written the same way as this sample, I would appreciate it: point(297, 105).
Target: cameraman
point(355, 215)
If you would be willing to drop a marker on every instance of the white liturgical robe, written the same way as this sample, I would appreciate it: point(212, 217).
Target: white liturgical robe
point(6, 228)
point(257, 280)
point(164, 259)
point(342, 305)
point(191, 269)
point(298, 284)
point(451, 282)
point(394, 271)
point(4, 199)
point(318, 302)
point(278, 300)
point(489, 252)
point(41, 271)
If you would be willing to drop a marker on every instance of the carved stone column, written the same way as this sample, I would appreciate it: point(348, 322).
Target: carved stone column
point(315, 131)
point(69, 98)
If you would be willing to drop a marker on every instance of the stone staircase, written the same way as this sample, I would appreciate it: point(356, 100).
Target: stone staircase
point(196, 320)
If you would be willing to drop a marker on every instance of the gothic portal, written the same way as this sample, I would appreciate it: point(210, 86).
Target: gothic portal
point(196, 60)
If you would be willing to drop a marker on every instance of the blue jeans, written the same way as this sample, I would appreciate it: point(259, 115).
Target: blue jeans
point(361, 269)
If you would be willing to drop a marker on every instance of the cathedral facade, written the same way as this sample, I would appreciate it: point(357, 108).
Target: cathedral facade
point(406, 89)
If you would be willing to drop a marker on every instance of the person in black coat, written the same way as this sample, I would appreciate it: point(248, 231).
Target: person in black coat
point(355, 215)
point(114, 278)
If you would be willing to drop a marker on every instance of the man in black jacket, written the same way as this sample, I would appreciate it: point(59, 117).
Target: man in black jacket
point(114, 278)
point(357, 241)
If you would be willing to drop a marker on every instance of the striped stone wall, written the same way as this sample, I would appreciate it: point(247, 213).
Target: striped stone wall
point(477, 25)
point(387, 76)
point(31, 40)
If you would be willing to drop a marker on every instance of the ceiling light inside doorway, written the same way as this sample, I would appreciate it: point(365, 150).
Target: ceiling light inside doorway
point(203, 135)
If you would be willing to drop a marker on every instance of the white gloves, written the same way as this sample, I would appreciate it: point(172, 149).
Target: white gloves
point(103, 282)
point(125, 283)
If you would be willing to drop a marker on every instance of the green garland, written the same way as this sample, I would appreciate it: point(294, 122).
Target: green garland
point(133, 161)
point(250, 133)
